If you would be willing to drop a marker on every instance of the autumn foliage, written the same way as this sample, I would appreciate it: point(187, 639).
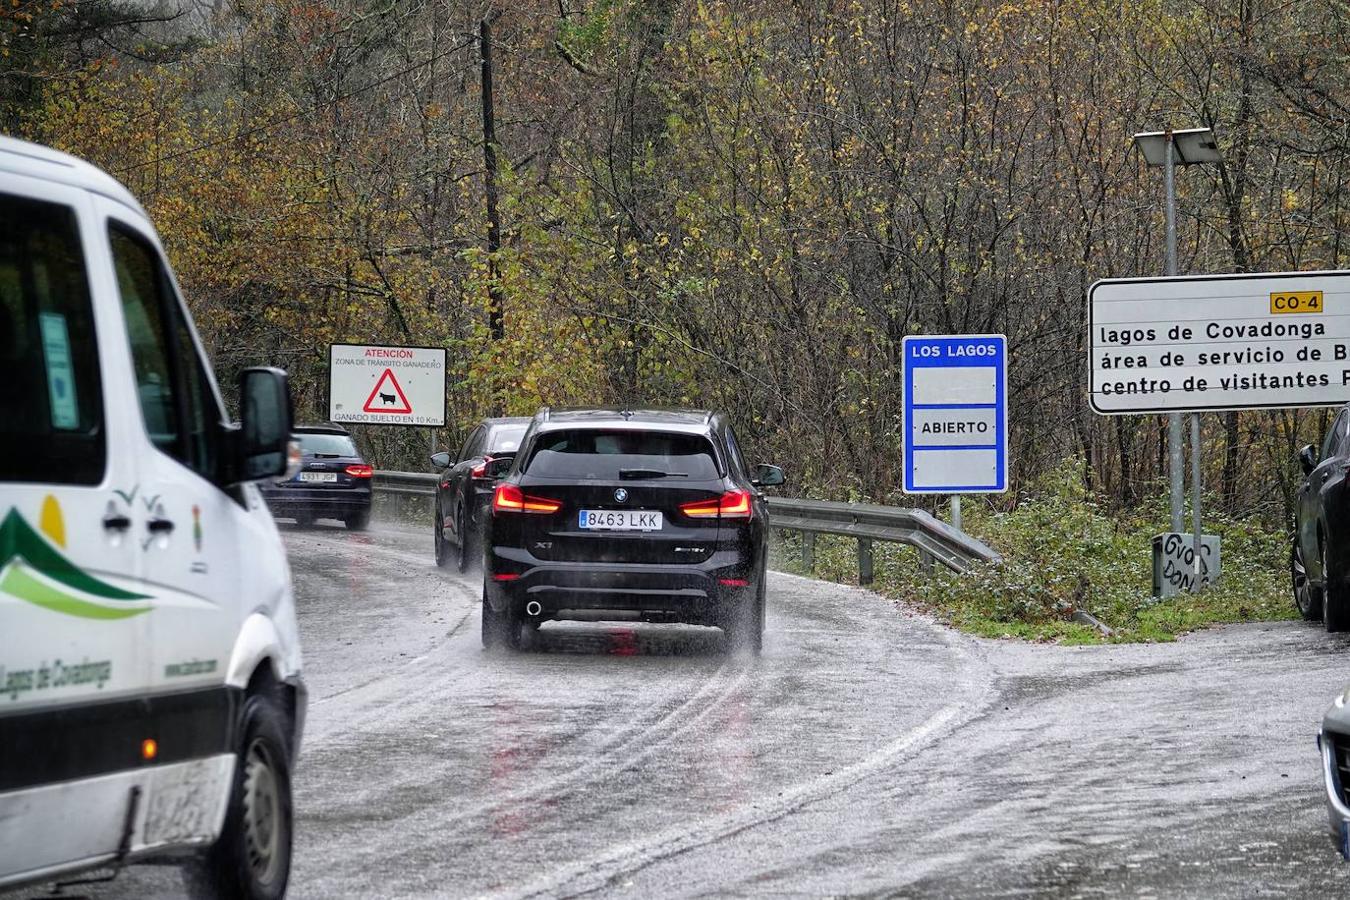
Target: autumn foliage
point(744, 205)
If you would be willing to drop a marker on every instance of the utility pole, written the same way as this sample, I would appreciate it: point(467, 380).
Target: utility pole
point(1198, 146)
point(494, 233)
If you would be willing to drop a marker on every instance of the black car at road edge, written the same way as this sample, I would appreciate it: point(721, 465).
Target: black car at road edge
point(1320, 558)
point(333, 481)
point(627, 514)
point(464, 489)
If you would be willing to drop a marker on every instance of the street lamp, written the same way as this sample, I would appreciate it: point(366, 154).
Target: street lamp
point(1167, 148)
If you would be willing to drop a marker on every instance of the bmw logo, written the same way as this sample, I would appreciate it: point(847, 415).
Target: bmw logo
point(620, 495)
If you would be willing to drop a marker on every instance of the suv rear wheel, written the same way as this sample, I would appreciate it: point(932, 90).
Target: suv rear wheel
point(252, 857)
point(743, 625)
point(438, 539)
point(1335, 603)
point(463, 550)
point(1307, 597)
point(501, 630)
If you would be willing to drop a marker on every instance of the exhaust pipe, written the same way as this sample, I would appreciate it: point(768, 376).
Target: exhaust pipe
point(533, 608)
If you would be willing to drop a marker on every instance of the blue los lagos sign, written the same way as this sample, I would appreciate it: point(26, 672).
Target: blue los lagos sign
point(956, 414)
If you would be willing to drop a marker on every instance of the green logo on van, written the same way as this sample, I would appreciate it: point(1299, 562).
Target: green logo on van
point(34, 571)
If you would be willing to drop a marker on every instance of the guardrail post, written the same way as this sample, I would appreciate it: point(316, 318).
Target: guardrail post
point(809, 551)
point(925, 563)
point(864, 560)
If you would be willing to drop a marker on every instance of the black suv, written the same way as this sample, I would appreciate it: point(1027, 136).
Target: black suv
point(634, 514)
point(1320, 560)
point(464, 489)
point(333, 481)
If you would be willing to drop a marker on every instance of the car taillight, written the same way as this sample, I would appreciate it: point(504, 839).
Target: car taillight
point(731, 505)
point(359, 470)
point(509, 498)
point(480, 470)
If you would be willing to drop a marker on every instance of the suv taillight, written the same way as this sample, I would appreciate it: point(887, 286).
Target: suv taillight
point(359, 470)
point(731, 505)
point(480, 470)
point(509, 498)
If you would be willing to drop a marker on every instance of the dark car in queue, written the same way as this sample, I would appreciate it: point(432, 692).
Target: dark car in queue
point(648, 515)
point(464, 489)
point(1320, 559)
point(333, 481)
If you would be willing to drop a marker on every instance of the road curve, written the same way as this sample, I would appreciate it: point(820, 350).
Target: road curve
point(868, 751)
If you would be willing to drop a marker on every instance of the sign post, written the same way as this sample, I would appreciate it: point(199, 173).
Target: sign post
point(383, 385)
point(956, 415)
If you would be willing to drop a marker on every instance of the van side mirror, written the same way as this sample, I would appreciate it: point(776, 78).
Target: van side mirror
point(265, 419)
point(441, 460)
point(1307, 457)
point(768, 476)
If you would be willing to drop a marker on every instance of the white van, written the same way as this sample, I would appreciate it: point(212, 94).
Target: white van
point(150, 694)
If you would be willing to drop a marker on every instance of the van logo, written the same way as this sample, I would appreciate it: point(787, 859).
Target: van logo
point(35, 571)
point(620, 495)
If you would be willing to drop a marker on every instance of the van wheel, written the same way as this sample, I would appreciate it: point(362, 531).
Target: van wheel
point(252, 857)
point(358, 521)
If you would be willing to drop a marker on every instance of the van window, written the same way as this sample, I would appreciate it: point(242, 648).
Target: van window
point(611, 455)
point(51, 396)
point(179, 408)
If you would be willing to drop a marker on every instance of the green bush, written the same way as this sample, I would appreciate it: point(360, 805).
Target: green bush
point(1063, 552)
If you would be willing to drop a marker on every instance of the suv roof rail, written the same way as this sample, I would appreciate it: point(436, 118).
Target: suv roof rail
point(707, 417)
point(543, 414)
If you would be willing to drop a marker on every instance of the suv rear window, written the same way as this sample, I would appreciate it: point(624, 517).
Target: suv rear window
point(51, 399)
point(330, 444)
point(594, 454)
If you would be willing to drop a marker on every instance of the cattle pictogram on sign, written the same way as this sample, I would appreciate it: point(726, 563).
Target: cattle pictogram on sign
point(387, 398)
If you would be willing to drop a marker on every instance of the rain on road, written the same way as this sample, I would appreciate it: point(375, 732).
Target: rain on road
point(869, 751)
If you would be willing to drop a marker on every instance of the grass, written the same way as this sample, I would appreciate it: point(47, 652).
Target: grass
point(1063, 552)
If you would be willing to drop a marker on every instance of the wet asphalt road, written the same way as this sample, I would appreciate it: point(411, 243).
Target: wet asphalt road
point(869, 751)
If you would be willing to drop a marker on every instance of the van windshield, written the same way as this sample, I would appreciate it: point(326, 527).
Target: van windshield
point(51, 407)
point(613, 455)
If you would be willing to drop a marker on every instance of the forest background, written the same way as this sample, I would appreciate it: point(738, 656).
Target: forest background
point(744, 205)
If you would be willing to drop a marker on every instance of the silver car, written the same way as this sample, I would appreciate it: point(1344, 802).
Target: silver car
point(1334, 741)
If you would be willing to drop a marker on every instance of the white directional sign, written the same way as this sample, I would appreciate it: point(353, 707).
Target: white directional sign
point(956, 414)
point(1221, 342)
point(382, 385)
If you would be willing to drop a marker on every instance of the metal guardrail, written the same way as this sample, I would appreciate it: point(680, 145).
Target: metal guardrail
point(934, 539)
point(407, 483)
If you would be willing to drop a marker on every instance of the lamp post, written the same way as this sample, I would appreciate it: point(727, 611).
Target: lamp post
point(1167, 148)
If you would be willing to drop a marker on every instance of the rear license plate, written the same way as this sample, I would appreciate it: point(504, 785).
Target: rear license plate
point(318, 476)
point(619, 520)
